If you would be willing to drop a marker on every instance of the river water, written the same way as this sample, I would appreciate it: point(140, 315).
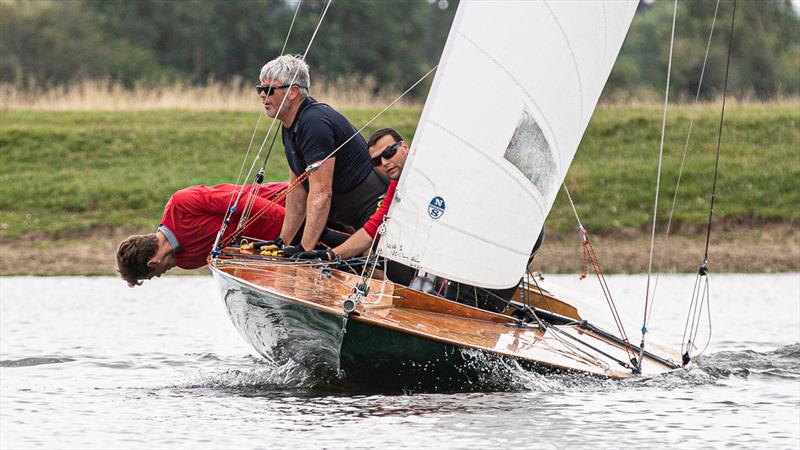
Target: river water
point(90, 363)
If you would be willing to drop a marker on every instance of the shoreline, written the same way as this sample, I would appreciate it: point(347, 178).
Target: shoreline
point(764, 249)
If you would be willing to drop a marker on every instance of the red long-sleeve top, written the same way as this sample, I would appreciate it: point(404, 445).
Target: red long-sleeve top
point(376, 219)
point(194, 216)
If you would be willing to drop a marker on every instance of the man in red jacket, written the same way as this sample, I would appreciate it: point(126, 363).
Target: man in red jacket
point(192, 218)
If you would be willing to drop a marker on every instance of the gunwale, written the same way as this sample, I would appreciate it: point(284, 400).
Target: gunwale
point(403, 310)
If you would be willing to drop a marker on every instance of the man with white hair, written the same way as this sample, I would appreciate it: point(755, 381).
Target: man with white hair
point(344, 189)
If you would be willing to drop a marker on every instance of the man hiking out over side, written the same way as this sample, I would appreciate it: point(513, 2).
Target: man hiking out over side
point(192, 217)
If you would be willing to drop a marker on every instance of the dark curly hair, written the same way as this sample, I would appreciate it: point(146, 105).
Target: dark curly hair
point(133, 254)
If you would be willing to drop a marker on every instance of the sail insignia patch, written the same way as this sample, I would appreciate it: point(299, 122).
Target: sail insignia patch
point(436, 207)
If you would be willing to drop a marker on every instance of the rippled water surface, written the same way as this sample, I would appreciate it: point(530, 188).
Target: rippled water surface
point(90, 363)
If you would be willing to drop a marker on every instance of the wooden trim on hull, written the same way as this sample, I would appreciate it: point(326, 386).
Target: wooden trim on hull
point(398, 309)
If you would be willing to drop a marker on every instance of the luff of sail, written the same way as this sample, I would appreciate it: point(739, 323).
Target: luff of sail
point(516, 87)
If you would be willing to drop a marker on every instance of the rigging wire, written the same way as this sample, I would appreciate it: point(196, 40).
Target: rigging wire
point(316, 165)
point(683, 159)
point(700, 296)
point(557, 334)
point(251, 199)
point(702, 273)
point(261, 114)
point(291, 26)
point(302, 177)
point(232, 208)
point(364, 277)
point(658, 180)
point(294, 78)
point(719, 135)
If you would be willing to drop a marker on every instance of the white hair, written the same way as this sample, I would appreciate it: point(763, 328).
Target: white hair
point(283, 69)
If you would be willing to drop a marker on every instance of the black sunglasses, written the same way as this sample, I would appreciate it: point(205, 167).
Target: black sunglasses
point(270, 89)
point(387, 153)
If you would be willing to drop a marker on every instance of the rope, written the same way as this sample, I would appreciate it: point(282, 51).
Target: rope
point(658, 180)
point(589, 255)
point(270, 204)
point(572, 204)
point(544, 297)
point(683, 160)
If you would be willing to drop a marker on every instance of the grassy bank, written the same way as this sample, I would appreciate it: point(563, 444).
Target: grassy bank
point(67, 176)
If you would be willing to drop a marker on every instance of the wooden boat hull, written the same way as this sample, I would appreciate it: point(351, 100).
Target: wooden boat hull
point(397, 337)
point(353, 351)
point(280, 329)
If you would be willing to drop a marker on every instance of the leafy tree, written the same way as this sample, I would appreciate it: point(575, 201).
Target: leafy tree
point(57, 42)
point(394, 42)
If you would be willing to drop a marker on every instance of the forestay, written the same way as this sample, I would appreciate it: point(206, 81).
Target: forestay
point(515, 89)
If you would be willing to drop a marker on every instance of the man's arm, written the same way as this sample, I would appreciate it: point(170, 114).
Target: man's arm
point(355, 245)
point(318, 204)
point(295, 210)
point(362, 239)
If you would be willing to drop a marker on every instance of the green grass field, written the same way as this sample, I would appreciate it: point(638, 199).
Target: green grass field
point(69, 174)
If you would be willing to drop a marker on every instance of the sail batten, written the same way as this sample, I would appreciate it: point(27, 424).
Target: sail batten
point(507, 110)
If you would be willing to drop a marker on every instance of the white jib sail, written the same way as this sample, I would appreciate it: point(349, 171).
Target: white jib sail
point(515, 89)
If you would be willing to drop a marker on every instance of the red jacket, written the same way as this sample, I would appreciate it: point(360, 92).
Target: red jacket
point(376, 219)
point(194, 216)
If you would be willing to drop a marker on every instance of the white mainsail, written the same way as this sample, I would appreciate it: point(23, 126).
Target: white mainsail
point(515, 89)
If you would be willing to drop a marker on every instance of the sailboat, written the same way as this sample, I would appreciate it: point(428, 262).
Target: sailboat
point(512, 96)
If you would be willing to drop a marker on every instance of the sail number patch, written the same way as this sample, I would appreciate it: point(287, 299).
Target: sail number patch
point(436, 207)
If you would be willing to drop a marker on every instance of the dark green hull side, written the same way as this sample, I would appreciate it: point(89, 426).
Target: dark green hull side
point(375, 356)
point(357, 354)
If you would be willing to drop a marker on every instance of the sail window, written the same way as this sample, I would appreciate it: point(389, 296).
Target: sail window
point(530, 152)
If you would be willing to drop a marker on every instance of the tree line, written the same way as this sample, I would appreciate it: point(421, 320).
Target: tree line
point(394, 42)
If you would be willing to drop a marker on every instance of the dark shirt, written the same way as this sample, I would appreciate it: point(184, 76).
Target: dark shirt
point(317, 131)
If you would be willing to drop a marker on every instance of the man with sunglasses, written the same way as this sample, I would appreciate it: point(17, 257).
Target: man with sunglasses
point(344, 188)
point(388, 152)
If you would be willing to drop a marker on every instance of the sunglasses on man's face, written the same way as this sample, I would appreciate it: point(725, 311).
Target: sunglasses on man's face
point(269, 90)
point(387, 153)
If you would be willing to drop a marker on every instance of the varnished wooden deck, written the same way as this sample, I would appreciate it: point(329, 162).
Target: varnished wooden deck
point(403, 310)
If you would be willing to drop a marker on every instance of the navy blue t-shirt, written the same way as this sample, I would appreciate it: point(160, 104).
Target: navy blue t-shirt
point(317, 131)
